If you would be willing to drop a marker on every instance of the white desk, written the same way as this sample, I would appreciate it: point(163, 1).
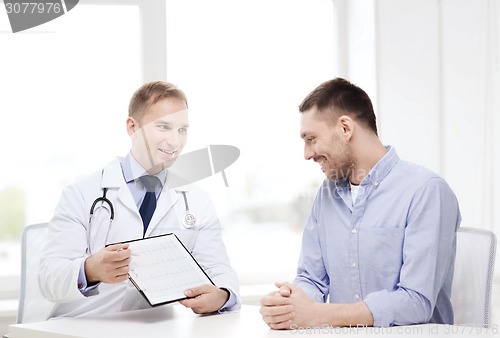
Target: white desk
point(177, 321)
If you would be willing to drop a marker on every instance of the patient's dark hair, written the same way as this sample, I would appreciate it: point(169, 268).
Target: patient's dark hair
point(338, 97)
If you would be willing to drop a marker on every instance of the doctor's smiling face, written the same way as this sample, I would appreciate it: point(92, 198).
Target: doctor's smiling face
point(160, 134)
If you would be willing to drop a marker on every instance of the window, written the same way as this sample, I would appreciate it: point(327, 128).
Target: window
point(245, 66)
point(66, 86)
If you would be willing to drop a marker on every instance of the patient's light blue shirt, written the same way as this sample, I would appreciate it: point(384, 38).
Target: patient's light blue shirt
point(394, 248)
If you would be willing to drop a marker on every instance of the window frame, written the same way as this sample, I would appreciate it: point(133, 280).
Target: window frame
point(153, 66)
point(153, 34)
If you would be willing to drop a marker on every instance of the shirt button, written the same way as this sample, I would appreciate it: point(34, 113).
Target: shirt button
point(356, 296)
point(353, 264)
point(354, 231)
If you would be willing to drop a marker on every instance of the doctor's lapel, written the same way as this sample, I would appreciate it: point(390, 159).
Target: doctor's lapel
point(125, 197)
point(165, 202)
point(112, 178)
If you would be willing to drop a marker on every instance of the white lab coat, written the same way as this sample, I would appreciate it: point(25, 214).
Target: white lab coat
point(68, 230)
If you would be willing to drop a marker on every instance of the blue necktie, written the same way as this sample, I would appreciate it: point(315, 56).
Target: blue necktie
point(148, 205)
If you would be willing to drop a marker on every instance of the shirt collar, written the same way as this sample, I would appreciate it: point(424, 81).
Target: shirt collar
point(382, 168)
point(379, 171)
point(132, 170)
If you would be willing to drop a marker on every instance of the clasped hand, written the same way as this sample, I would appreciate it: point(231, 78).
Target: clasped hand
point(288, 306)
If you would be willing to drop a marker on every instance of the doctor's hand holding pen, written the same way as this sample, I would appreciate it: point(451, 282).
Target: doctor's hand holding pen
point(109, 265)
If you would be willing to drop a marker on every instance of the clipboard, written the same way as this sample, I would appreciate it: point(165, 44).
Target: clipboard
point(162, 268)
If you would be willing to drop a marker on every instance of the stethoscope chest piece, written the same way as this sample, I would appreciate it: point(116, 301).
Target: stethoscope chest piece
point(189, 220)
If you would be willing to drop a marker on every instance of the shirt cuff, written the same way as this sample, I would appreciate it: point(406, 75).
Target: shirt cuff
point(230, 304)
point(82, 283)
point(311, 291)
point(380, 305)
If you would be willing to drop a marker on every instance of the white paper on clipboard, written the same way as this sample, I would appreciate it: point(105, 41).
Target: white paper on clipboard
point(161, 268)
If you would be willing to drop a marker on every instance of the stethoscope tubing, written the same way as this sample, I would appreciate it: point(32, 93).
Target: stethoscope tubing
point(103, 199)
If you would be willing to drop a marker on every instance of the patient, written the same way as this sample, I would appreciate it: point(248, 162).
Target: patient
point(379, 245)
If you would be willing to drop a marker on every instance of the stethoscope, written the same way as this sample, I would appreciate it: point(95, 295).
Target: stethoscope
point(103, 199)
point(188, 221)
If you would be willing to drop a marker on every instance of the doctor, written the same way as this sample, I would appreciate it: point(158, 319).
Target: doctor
point(84, 277)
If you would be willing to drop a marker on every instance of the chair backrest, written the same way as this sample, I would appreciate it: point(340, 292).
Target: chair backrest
point(32, 305)
point(473, 278)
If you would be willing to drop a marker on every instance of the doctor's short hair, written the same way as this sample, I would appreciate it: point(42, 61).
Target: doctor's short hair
point(150, 93)
point(338, 97)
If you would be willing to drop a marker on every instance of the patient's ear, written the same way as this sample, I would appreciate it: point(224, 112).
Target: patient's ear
point(347, 127)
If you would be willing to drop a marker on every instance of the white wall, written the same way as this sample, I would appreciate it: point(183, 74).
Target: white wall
point(470, 73)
